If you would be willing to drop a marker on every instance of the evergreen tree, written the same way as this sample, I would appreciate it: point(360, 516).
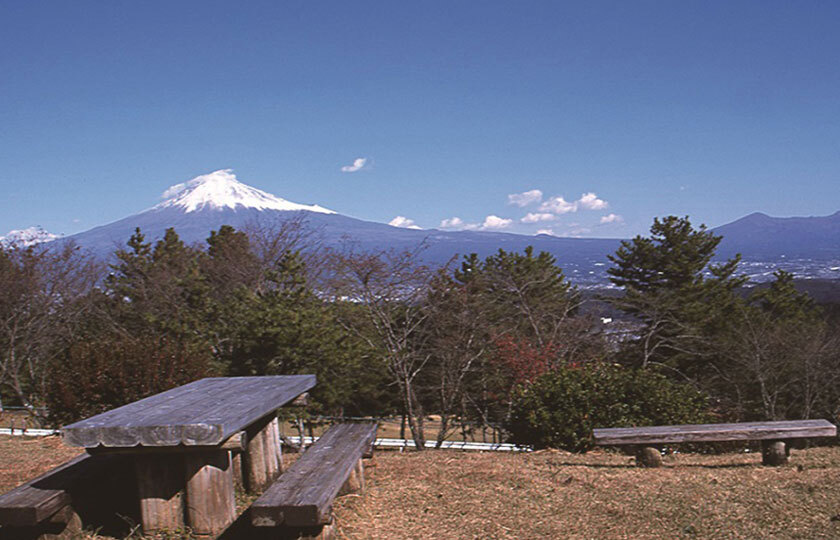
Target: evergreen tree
point(681, 299)
point(160, 289)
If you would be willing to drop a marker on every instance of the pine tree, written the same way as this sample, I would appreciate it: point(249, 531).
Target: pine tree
point(680, 298)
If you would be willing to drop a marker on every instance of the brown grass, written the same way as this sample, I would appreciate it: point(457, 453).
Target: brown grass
point(597, 495)
point(24, 458)
point(551, 494)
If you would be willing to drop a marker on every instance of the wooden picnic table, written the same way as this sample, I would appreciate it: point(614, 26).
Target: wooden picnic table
point(182, 441)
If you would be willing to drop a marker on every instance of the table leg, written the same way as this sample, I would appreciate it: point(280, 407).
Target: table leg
point(210, 498)
point(160, 488)
point(262, 457)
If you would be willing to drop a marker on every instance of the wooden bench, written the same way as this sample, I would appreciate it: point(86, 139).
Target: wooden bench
point(301, 499)
point(54, 504)
point(771, 434)
point(184, 444)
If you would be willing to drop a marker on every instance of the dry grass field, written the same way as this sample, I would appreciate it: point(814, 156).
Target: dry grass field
point(552, 494)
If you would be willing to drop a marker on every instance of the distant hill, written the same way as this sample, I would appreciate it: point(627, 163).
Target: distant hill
point(762, 237)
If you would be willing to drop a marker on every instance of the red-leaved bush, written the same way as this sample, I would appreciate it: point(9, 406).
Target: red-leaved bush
point(525, 361)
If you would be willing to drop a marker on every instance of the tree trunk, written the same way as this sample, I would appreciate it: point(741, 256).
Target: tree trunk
point(415, 416)
point(444, 426)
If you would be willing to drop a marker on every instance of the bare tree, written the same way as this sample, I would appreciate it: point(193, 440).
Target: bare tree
point(782, 368)
point(42, 300)
point(457, 338)
point(273, 240)
point(390, 288)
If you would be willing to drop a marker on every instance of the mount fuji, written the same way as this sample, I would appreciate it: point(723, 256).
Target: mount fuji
point(209, 201)
point(809, 246)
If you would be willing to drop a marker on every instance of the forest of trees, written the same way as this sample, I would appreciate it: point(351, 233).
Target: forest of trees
point(497, 341)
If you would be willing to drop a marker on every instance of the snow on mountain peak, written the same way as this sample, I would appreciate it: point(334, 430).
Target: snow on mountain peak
point(27, 237)
point(220, 189)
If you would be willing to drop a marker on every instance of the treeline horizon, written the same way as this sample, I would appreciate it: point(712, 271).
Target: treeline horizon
point(501, 340)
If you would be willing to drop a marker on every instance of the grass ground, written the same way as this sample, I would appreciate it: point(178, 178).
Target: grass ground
point(552, 494)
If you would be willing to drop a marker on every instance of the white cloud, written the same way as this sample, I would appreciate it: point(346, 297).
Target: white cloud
point(403, 222)
point(525, 198)
point(495, 222)
point(558, 205)
point(491, 222)
point(451, 223)
point(575, 233)
point(590, 201)
point(358, 164)
point(532, 217)
point(459, 224)
point(546, 231)
point(611, 218)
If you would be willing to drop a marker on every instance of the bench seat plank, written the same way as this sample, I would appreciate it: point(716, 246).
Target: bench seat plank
point(789, 429)
point(303, 495)
point(201, 413)
point(37, 500)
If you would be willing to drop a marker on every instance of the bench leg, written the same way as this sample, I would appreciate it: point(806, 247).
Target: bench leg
point(263, 459)
point(63, 525)
point(323, 532)
point(648, 456)
point(356, 481)
point(160, 488)
point(774, 453)
point(210, 497)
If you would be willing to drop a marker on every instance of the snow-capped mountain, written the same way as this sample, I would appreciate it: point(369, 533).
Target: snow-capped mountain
point(809, 247)
point(27, 237)
point(221, 190)
point(207, 202)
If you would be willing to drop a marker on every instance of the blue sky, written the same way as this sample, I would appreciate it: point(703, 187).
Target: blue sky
point(710, 109)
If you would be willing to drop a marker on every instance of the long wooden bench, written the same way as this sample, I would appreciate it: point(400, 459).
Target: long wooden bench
point(301, 499)
point(771, 434)
point(55, 504)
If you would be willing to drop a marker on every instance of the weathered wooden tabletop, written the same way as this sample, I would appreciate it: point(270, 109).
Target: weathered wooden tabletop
point(201, 413)
point(790, 429)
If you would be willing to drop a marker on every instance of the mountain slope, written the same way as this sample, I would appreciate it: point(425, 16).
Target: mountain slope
point(210, 201)
point(762, 237)
point(207, 202)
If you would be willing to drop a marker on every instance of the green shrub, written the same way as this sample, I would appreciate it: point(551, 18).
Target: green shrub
point(561, 408)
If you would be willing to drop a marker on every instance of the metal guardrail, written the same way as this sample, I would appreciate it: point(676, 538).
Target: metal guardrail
point(29, 432)
point(449, 445)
